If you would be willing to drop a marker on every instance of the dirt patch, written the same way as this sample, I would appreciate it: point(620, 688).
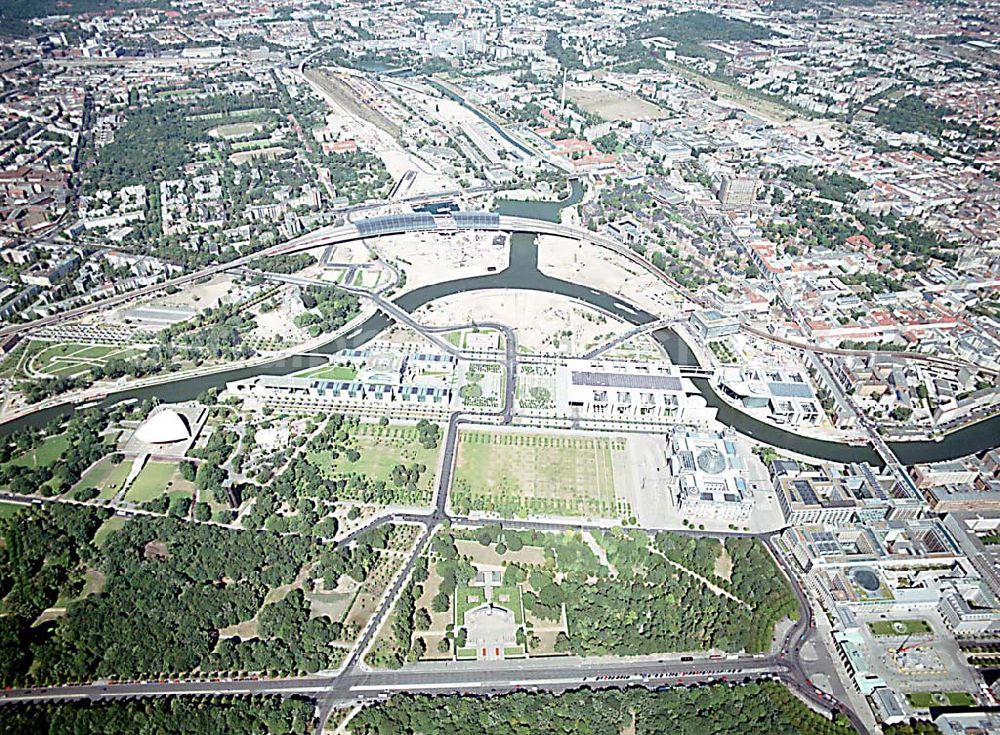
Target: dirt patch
point(94, 583)
point(346, 98)
point(332, 604)
point(362, 609)
point(614, 105)
point(432, 641)
point(439, 620)
point(724, 564)
point(244, 630)
point(487, 555)
point(543, 322)
point(155, 550)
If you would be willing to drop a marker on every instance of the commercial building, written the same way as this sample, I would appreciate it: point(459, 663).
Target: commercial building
point(943, 473)
point(969, 607)
point(311, 394)
point(849, 650)
point(712, 324)
point(738, 192)
point(834, 495)
point(893, 544)
point(969, 723)
point(970, 484)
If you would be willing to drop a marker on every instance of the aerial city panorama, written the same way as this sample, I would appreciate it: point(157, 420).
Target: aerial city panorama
point(557, 367)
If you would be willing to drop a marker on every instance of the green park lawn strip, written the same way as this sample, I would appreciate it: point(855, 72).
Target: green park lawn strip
point(467, 598)
point(45, 454)
point(151, 482)
point(106, 476)
point(381, 449)
point(899, 627)
point(535, 474)
point(109, 526)
point(509, 598)
point(66, 359)
point(9, 509)
point(941, 699)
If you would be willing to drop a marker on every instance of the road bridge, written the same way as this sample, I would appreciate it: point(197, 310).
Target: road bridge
point(449, 224)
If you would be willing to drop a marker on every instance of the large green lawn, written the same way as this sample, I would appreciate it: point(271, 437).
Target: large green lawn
point(9, 509)
point(467, 598)
point(153, 481)
point(381, 449)
point(899, 627)
point(106, 476)
point(66, 359)
point(46, 453)
point(107, 528)
point(535, 474)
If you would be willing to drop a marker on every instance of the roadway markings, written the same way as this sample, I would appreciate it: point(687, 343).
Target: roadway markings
point(436, 685)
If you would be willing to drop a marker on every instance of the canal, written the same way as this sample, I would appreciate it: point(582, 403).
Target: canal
point(522, 273)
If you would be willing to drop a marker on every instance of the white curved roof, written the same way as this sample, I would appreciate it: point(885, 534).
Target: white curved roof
point(164, 427)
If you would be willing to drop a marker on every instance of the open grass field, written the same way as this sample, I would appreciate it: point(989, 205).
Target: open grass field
point(509, 597)
point(45, 454)
point(381, 449)
point(155, 479)
point(106, 476)
point(535, 474)
point(68, 359)
point(9, 509)
point(941, 699)
point(107, 528)
point(899, 627)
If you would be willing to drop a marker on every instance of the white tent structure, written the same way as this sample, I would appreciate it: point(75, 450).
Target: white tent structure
point(164, 427)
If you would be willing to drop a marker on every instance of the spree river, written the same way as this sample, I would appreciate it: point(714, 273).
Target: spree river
point(522, 273)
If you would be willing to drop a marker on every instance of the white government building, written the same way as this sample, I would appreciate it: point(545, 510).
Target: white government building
point(385, 378)
point(626, 391)
point(783, 393)
point(708, 476)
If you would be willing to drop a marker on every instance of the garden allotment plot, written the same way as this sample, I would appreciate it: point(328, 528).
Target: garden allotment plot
point(536, 474)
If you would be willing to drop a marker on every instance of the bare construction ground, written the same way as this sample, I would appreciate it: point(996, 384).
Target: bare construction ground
point(614, 105)
point(344, 97)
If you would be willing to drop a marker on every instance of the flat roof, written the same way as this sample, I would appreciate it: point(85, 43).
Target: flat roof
point(627, 380)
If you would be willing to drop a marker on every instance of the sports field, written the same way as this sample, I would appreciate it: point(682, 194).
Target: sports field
point(535, 474)
point(235, 130)
point(67, 359)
